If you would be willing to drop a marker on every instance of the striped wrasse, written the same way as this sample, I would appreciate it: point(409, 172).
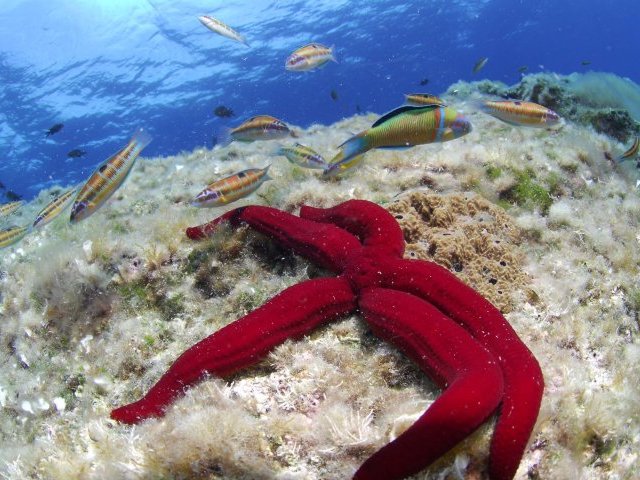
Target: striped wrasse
point(423, 99)
point(520, 113)
point(260, 127)
point(232, 188)
point(302, 156)
point(11, 235)
point(7, 209)
point(632, 152)
point(340, 166)
point(310, 56)
point(404, 127)
point(220, 28)
point(54, 208)
point(108, 177)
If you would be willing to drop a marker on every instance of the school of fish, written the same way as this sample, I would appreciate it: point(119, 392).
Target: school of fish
point(422, 119)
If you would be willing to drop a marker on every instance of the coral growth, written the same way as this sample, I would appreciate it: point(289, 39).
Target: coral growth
point(471, 237)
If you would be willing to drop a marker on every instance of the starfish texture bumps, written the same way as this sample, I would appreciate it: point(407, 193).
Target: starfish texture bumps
point(458, 338)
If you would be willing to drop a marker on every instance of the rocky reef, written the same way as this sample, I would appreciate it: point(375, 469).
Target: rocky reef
point(606, 102)
point(92, 314)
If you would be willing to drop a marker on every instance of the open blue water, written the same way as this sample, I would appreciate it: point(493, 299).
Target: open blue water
point(106, 67)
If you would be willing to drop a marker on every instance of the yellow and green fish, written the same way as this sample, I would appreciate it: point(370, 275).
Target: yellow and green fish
point(519, 113)
point(309, 57)
point(260, 127)
point(11, 235)
point(403, 127)
point(303, 156)
point(230, 189)
point(220, 28)
point(420, 99)
point(54, 208)
point(7, 209)
point(108, 177)
point(631, 152)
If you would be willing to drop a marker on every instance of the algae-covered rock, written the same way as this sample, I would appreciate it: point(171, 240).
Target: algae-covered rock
point(606, 102)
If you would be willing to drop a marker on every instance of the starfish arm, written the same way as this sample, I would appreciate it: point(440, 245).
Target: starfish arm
point(524, 383)
point(468, 373)
point(371, 223)
point(325, 245)
point(290, 314)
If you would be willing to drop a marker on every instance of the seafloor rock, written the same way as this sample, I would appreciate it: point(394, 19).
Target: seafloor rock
point(606, 102)
point(468, 235)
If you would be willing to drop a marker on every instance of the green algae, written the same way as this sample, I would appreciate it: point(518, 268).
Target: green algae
point(527, 193)
point(493, 172)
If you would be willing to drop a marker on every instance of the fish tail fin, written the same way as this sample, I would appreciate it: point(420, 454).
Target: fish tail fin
point(333, 55)
point(294, 134)
point(223, 137)
point(141, 138)
point(356, 145)
point(277, 152)
point(243, 40)
point(480, 104)
point(266, 173)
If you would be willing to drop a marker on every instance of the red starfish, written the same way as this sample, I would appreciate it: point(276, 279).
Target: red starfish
point(456, 336)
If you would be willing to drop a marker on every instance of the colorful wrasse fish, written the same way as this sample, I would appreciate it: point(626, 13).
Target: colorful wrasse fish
point(260, 127)
point(54, 208)
point(338, 167)
point(302, 156)
point(632, 152)
point(405, 127)
point(480, 64)
point(230, 189)
point(423, 99)
point(108, 177)
point(11, 235)
point(7, 209)
point(521, 113)
point(220, 28)
point(310, 56)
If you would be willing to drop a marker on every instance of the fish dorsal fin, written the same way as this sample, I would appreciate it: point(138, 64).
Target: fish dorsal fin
point(403, 109)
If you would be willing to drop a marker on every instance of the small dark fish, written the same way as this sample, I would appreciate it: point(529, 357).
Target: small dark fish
point(334, 95)
point(423, 82)
point(585, 63)
point(13, 196)
point(55, 129)
point(76, 153)
point(223, 112)
point(523, 69)
point(480, 64)
point(2, 186)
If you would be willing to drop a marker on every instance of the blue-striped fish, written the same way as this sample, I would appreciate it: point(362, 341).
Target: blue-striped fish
point(302, 156)
point(632, 152)
point(230, 189)
point(260, 127)
point(420, 99)
point(11, 235)
point(405, 127)
point(519, 113)
point(220, 28)
point(7, 209)
point(54, 208)
point(108, 177)
point(309, 57)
